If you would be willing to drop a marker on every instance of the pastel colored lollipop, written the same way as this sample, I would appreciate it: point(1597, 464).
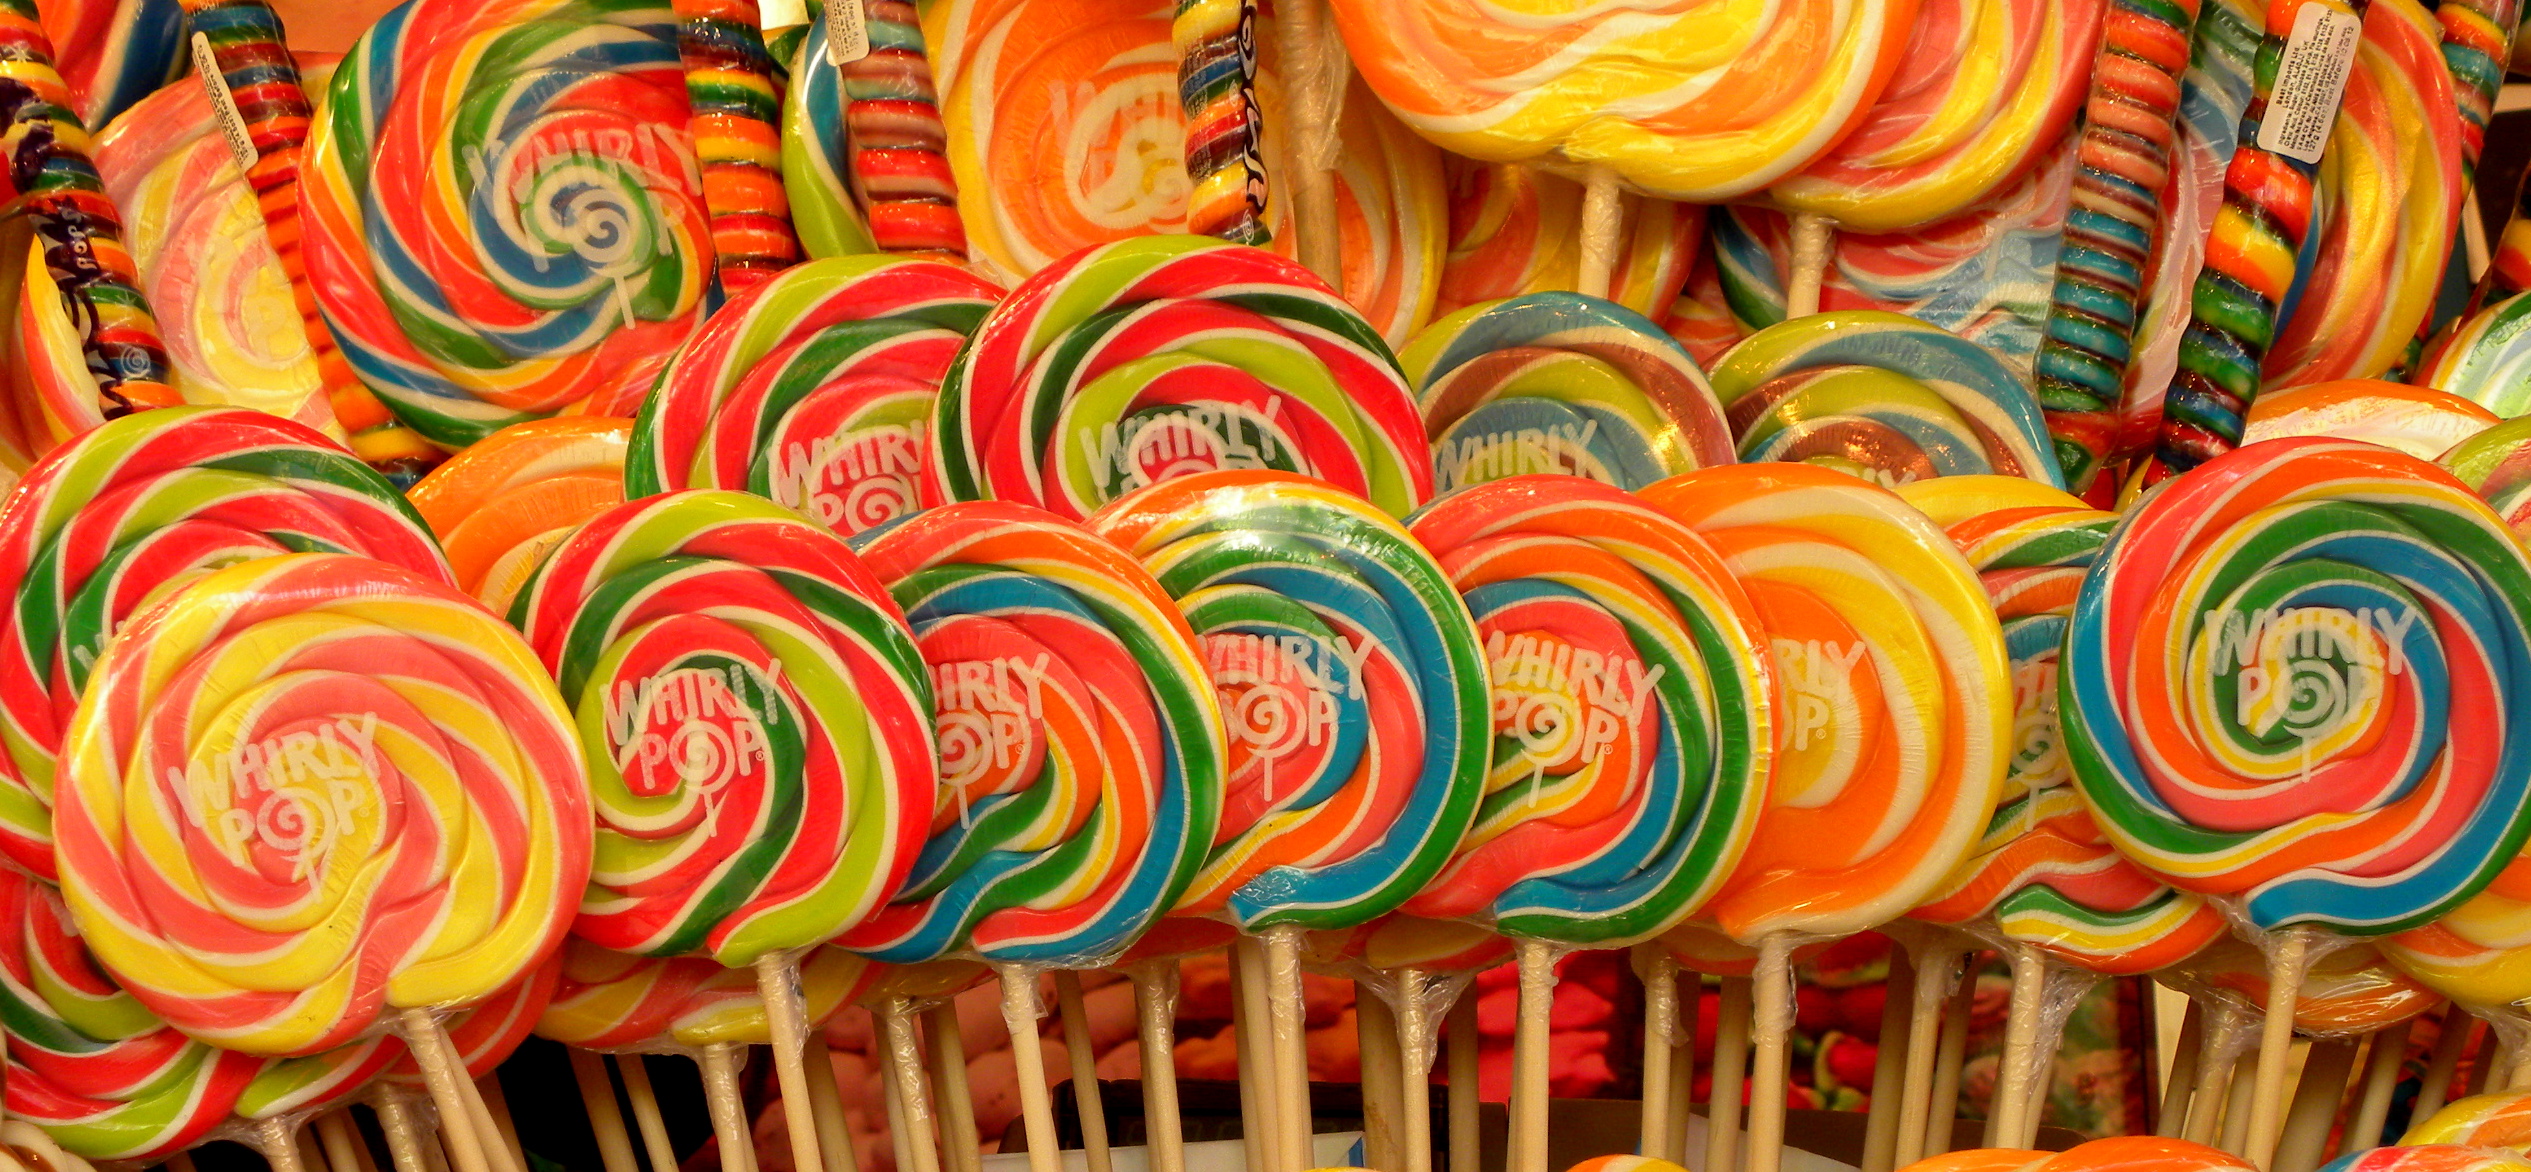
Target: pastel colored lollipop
point(1163, 356)
point(2500, 1120)
point(1691, 101)
point(499, 506)
point(1081, 752)
point(2262, 677)
point(863, 150)
point(104, 527)
point(815, 389)
point(2487, 358)
point(1881, 395)
point(1516, 230)
point(2420, 421)
point(750, 709)
point(2430, 1158)
point(734, 90)
point(2496, 464)
point(113, 53)
point(309, 790)
point(1559, 382)
point(1633, 713)
point(504, 214)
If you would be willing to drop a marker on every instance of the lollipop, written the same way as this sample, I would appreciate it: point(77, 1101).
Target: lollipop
point(113, 53)
point(1633, 713)
point(2420, 421)
point(106, 525)
point(2496, 464)
point(2430, 1158)
point(1688, 103)
point(1162, 356)
point(501, 504)
point(2487, 359)
point(1881, 395)
point(605, 1000)
point(2144, 1153)
point(1514, 230)
point(2488, 1121)
point(815, 389)
point(2348, 992)
point(504, 215)
point(1982, 1160)
point(1559, 382)
point(862, 144)
point(734, 89)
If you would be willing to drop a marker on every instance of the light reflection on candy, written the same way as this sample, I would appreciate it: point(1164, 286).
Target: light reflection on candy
point(307, 789)
point(2496, 464)
point(501, 504)
point(1632, 712)
point(2430, 1158)
point(2420, 421)
point(815, 389)
point(2487, 359)
point(751, 709)
point(1073, 806)
point(2264, 673)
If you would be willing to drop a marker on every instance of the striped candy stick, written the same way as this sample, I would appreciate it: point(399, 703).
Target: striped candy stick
point(2477, 40)
point(1225, 153)
point(2112, 228)
point(730, 81)
point(50, 179)
point(863, 145)
point(2266, 214)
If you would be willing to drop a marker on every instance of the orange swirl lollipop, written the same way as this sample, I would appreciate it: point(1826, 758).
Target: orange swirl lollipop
point(2348, 992)
point(502, 503)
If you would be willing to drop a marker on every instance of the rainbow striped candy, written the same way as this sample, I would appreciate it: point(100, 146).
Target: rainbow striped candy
point(753, 715)
point(1225, 132)
point(1634, 713)
point(2265, 671)
point(1073, 807)
point(1559, 382)
point(814, 389)
point(113, 53)
point(734, 88)
point(104, 526)
point(863, 149)
point(1352, 684)
point(1161, 356)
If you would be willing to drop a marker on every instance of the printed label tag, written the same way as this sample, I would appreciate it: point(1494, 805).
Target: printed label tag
point(775, 14)
point(241, 145)
point(2310, 81)
point(847, 32)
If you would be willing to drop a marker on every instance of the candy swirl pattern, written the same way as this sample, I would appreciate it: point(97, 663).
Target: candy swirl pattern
point(1633, 712)
point(499, 506)
point(2420, 421)
point(504, 214)
point(2487, 358)
point(614, 1001)
point(1074, 807)
point(2430, 1158)
point(2262, 677)
point(1896, 704)
point(863, 144)
point(2499, 1120)
point(1559, 382)
point(1687, 100)
point(750, 705)
point(309, 788)
point(1516, 230)
point(2496, 464)
point(106, 525)
point(1352, 681)
point(815, 389)
point(1163, 356)
point(113, 53)
point(1884, 396)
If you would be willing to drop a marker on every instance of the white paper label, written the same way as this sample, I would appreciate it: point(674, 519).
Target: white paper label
point(847, 32)
point(241, 145)
point(2310, 81)
point(776, 14)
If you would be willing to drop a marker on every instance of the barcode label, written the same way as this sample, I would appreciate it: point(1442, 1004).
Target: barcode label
point(847, 32)
point(2310, 82)
point(241, 145)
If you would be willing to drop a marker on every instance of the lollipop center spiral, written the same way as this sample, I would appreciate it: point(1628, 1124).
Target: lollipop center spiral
point(1126, 150)
point(696, 730)
point(279, 801)
point(987, 717)
point(1560, 706)
point(2308, 683)
point(1280, 696)
point(850, 480)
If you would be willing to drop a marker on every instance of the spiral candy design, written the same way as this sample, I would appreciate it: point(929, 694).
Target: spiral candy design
point(732, 85)
point(2496, 464)
point(751, 708)
point(1351, 679)
point(2421, 421)
point(2430, 1158)
point(1073, 807)
point(2263, 671)
point(106, 524)
point(504, 214)
point(1633, 717)
point(498, 507)
point(1895, 702)
point(1559, 382)
point(618, 1002)
point(350, 789)
point(1882, 395)
point(863, 145)
point(2499, 1120)
point(113, 53)
point(2487, 359)
point(1516, 230)
point(1162, 356)
point(815, 389)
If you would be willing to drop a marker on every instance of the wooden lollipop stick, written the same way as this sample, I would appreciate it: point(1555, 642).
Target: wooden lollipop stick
point(2383, 1058)
point(344, 1149)
point(2016, 1067)
point(1880, 1129)
point(1383, 1084)
point(405, 1134)
point(778, 984)
point(1943, 1110)
point(1084, 1063)
point(1773, 987)
point(441, 1073)
point(1156, 1005)
point(2236, 1111)
point(1683, 1065)
point(2182, 1084)
point(280, 1146)
point(2315, 1105)
point(1466, 1141)
point(1530, 1045)
point(1299, 26)
point(1659, 974)
point(1731, 1063)
point(728, 1109)
point(1603, 221)
point(956, 1107)
point(1255, 1054)
point(2214, 1075)
point(180, 1162)
point(1935, 963)
point(826, 1103)
point(2483, 1057)
point(1415, 1038)
point(606, 1120)
point(2276, 1048)
point(486, 1093)
point(1036, 1105)
point(900, 1138)
point(905, 1086)
point(2448, 1048)
point(646, 1113)
point(1811, 236)
point(1291, 1048)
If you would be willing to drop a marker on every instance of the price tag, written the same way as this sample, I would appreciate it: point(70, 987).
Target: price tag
point(2310, 82)
point(241, 145)
point(847, 32)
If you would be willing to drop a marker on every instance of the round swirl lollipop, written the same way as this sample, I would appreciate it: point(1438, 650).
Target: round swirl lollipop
point(2347, 992)
point(1080, 750)
point(750, 709)
point(309, 788)
point(503, 210)
point(1351, 680)
point(1881, 395)
point(1163, 356)
point(1633, 713)
point(2420, 421)
point(2496, 464)
point(814, 389)
point(1559, 382)
point(105, 525)
point(2487, 359)
point(2501, 1120)
point(501, 504)
point(2264, 671)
